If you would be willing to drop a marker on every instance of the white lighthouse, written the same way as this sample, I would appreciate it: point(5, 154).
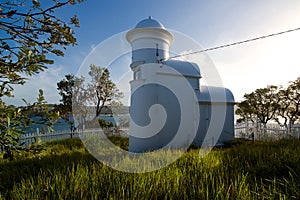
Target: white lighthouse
point(146, 38)
point(168, 107)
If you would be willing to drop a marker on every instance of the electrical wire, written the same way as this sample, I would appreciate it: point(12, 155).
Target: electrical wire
point(233, 44)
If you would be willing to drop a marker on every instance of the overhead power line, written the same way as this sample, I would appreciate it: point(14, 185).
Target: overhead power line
point(234, 43)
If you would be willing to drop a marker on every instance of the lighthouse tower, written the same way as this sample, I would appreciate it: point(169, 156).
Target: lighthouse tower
point(156, 110)
point(150, 42)
point(167, 108)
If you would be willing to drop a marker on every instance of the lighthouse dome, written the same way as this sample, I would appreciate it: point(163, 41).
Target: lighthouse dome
point(150, 23)
point(149, 40)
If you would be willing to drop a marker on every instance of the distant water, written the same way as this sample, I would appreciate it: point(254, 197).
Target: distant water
point(62, 126)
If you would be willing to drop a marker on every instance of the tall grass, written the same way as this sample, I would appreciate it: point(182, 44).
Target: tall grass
point(65, 170)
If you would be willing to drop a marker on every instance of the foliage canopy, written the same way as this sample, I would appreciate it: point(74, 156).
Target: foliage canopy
point(30, 33)
point(272, 103)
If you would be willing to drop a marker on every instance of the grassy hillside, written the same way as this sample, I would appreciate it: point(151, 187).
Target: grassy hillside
point(65, 170)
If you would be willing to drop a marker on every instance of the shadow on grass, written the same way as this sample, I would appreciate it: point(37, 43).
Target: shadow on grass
point(52, 156)
point(268, 168)
point(13, 172)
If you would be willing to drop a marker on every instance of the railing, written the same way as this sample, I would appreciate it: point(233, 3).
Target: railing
point(27, 139)
point(243, 130)
point(267, 133)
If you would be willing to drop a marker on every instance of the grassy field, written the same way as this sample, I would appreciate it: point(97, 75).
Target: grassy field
point(65, 170)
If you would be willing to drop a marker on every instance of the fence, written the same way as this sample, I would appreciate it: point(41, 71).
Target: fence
point(27, 139)
point(266, 133)
point(242, 130)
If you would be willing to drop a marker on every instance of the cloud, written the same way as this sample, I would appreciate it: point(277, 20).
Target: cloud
point(45, 80)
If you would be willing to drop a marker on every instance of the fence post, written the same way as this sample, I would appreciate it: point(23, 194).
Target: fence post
point(256, 129)
point(289, 127)
point(247, 127)
point(37, 137)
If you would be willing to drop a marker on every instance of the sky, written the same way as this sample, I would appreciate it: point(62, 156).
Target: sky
point(242, 68)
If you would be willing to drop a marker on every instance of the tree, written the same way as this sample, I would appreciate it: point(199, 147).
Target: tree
point(65, 88)
point(105, 125)
point(261, 104)
point(289, 104)
point(9, 129)
point(81, 97)
point(73, 100)
point(80, 109)
point(30, 32)
point(102, 91)
point(245, 111)
point(294, 96)
point(15, 120)
point(40, 113)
